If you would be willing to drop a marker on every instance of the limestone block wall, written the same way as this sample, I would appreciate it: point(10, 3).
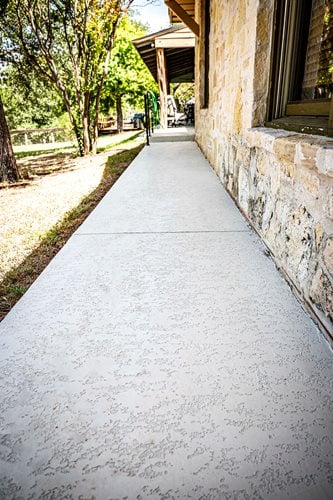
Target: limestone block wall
point(282, 181)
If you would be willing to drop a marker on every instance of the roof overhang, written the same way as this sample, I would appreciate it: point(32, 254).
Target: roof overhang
point(183, 11)
point(178, 43)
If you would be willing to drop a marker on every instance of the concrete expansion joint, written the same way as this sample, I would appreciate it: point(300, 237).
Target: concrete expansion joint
point(161, 232)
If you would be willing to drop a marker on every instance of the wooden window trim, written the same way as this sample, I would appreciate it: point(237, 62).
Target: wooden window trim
point(315, 107)
point(205, 50)
point(283, 110)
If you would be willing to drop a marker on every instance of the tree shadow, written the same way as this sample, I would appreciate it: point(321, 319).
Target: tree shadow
point(46, 163)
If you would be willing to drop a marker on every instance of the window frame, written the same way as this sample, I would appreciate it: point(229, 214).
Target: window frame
point(289, 43)
point(205, 53)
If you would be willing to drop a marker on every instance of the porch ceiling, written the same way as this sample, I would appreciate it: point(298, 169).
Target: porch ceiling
point(178, 43)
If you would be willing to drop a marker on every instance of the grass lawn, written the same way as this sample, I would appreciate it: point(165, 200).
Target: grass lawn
point(40, 215)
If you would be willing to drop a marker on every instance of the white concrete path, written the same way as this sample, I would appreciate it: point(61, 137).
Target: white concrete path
point(161, 355)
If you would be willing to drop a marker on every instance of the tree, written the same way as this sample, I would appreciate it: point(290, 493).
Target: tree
point(68, 43)
point(34, 104)
point(183, 92)
point(8, 166)
point(128, 77)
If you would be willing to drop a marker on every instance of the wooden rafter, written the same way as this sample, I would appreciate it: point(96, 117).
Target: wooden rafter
point(183, 16)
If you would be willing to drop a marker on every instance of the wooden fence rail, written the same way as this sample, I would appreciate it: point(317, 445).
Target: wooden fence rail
point(40, 135)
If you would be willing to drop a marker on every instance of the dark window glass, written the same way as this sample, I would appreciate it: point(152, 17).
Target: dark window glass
point(302, 67)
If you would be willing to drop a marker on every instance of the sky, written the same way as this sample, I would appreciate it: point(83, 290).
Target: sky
point(154, 14)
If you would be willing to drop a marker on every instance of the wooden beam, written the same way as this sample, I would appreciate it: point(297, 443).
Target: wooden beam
point(183, 16)
point(163, 86)
point(174, 42)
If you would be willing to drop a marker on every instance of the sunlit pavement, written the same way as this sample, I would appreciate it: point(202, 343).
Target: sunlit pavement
point(161, 355)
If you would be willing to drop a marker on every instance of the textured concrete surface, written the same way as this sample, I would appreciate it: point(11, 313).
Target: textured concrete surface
point(168, 188)
point(173, 134)
point(165, 360)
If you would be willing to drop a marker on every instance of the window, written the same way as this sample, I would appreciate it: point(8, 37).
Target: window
point(204, 52)
point(302, 67)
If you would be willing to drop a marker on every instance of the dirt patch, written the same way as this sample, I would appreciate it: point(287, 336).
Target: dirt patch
point(46, 163)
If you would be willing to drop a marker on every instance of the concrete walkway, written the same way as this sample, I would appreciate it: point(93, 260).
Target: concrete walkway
point(161, 355)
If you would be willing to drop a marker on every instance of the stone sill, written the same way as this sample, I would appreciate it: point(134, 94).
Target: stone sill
point(311, 151)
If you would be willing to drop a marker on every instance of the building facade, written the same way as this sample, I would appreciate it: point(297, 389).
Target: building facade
point(256, 126)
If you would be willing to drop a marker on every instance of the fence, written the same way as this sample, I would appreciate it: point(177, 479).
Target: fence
point(40, 136)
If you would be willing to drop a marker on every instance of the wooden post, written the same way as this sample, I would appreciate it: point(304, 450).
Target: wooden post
point(163, 86)
point(147, 118)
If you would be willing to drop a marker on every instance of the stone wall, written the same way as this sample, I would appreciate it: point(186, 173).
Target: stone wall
point(282, 181)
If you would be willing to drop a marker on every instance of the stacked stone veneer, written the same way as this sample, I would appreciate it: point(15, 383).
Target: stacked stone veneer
point(282, 181)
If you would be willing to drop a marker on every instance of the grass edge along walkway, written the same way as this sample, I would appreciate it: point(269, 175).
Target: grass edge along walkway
point(17, 281)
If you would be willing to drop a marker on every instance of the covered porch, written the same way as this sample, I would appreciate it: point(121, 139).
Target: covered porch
point(169, 56)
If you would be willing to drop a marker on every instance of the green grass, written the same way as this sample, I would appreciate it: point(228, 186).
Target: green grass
point(110, 146)
point(37, 152)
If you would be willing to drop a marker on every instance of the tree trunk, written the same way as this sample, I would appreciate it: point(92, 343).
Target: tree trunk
point(72, 118)
point(8, 167)
point(76, 129)
point(95, 124)
point(120, 120)
point(98, 98)
point(86, 141)
point(95, 138)
point(79, 138)
point(86, 123)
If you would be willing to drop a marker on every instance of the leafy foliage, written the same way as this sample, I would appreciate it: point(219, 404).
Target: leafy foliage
point(34, 104)
point(68, 43)
point(183, 92)
point(128, 77)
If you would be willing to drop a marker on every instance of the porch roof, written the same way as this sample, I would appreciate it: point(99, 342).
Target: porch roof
point(178, 43)
point(183, 11)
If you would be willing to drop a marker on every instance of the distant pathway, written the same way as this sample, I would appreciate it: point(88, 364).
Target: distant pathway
point(161, 355)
